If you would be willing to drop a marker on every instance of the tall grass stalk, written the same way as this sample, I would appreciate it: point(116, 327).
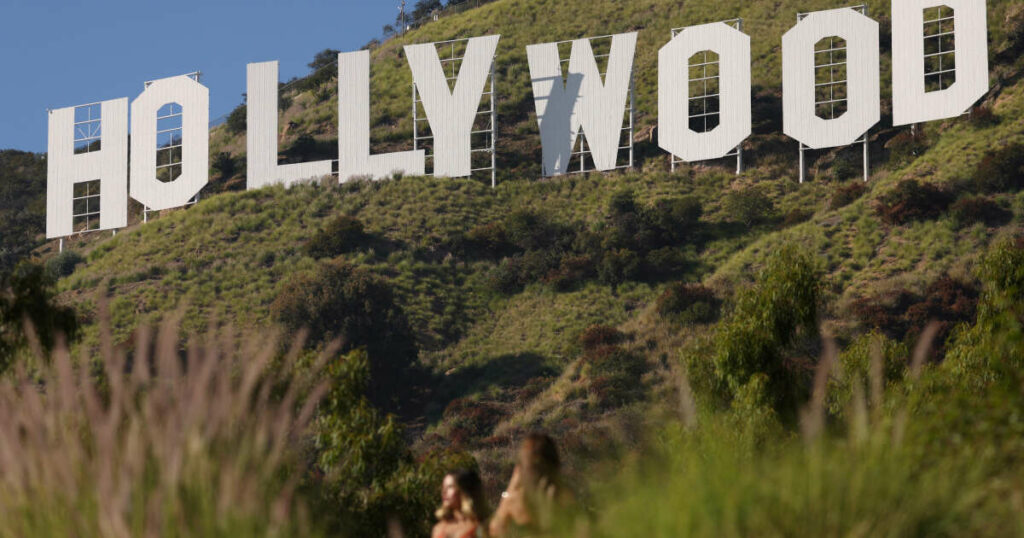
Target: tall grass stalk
point(158, 442)
point(865, 480)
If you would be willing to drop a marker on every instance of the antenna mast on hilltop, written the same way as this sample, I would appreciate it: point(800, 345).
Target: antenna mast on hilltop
point(402, 9)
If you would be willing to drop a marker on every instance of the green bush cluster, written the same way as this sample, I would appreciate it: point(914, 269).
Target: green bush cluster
point(970, 210)
point(27, 304)
point(340, 235)
point(687, 303)
point(634, 243)
point(748, 206)
point(845, 194)
point(906, 146)
point(62, 264)
point(1001, 170)
point(872, 361)
point(902, 314)
point(767, 318)
point(357, 308)
point(614, 373)
point(912, 201)
point(369, 478)
point(237, 119)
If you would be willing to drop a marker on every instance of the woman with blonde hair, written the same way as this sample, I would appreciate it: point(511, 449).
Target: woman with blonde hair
point(463, 506)
point(535, 494)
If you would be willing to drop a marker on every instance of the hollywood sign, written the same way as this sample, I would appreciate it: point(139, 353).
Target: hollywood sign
point(88, 162)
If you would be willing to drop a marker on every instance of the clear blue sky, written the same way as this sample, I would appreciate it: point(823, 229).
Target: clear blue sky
point(59, 53)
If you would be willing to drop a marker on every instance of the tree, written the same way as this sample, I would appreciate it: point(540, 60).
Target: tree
point(369, 475)
point(22, 205)
point(766, 320)
point(26, 303)
point(237, 120)
point(424, 8)
point(323, 59)
point(348, 303)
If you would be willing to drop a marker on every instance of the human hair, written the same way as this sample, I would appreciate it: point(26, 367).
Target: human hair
point(539, 464)
point(471, 490)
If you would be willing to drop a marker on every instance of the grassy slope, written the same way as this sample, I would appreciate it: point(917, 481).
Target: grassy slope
point(227, 257)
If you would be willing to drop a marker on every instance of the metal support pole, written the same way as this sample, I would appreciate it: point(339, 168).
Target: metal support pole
point(739, 159)
point(60, 245)
point(583, 154)
point(632, 117)
point(494, 131)
point(415, 120)
point(867, 161)
point(803, 172)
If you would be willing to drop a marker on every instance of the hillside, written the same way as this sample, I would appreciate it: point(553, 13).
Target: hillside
point(559, 304)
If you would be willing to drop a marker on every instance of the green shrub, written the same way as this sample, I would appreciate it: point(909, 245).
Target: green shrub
point(572, 271)
point(766, 320)
point(369, 475)
point(225, 165)
point(1014, 26)
point(1001, 170)
point(888, 357)
point(488, 241)
point(236, 122)
point(973, 209)
point(675, 220)
point(748, 206)
point(845, 167)
point(618, 266)
point(614, 374)
point(665, 262)
point(906, 146)
point(983, 116)
point(991, 351)
point(350, 304)
point(598, 336)
point(845, 194)
point(796, 216)
point(341, 235)
point(903, 315)
point(63, 264)
point(505, 277)
point(26, 297)
point(688, 303)
point(532, 231)
point(911, 201)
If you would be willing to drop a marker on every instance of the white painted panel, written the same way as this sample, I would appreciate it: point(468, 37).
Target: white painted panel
point(261, 135)
point(862, 75)
point(194, 99)
point(452, 112)
point(109, 165)
point(564, 106)
point(674, 133)
point(354, 157)
point(910, 102)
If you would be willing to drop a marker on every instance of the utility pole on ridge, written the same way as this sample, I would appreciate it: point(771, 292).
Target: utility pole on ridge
point(403, 16)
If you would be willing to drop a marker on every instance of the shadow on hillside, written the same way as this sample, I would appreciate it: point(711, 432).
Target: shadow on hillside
point(382, 246)
point(306, 148)
point(499, 373)
point(716, 231)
